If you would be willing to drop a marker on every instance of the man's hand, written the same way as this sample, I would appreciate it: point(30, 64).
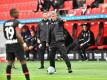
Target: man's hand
point(40, 45)
point(38, 41)
point(25, 47)
point(81, 39)
point(47, 44)
point(81, 44)
point(30, 47)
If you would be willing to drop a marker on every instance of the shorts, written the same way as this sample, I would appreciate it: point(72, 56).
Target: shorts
point(14, 51)
point(12, 55)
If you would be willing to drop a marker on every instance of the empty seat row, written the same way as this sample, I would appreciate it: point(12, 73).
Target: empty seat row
point(25, 14)
point(14, 1)
point(19, 6)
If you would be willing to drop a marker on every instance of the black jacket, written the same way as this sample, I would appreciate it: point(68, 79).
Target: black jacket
point(42, 30)
point(57, 28)
point(87, 37)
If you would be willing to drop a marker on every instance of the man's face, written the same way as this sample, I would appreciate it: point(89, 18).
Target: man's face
point(16, 14)
point(84, 28)
point(54, 16)
point(32, 33)
point(45, 15)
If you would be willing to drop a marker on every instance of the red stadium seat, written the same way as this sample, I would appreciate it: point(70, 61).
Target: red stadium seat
point(71, 12)
point(105, 1)
point(88, 12)
point(94, 28)
point(96, 11)
point(29, 14)
point(26, 6)
point(104, 11)
point(102, 47)
point(38, 15)
point(79, 29)
point(1, 16)
point(103, 8)
point(68, 27)
point(67, 5)
point(77, 12)
point(104, 37)
point(89, 2)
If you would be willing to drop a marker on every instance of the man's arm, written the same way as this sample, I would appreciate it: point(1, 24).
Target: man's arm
point(88, 40)
point(20, 39)
point(48, 33)
point(38, 33)
point(80, 37)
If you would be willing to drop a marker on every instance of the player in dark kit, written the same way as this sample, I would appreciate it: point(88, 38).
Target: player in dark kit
point(15, 45)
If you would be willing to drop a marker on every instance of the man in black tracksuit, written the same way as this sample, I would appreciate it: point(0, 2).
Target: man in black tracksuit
point(85, 39)
point(42, 31)
point(33, 45)
point(57, 41)
point(27, 38)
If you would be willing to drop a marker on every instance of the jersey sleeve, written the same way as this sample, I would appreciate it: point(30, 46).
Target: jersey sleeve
point(19, 26)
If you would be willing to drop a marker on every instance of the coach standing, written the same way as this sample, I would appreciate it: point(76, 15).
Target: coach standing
point(42, 31)
point(57, 41)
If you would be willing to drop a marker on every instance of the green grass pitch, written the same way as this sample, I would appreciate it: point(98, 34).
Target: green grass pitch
point(88, 70)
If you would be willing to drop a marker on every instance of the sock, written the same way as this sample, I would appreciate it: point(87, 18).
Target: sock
point(25, 71)
point(8, 72)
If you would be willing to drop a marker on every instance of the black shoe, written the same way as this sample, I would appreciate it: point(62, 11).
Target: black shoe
point(42, 67)
point(14, 67)
point(69, 71)
point(27, 59)
point(85, 59)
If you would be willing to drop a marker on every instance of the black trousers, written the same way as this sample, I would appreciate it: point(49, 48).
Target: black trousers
point(81, 50)
point(60, 47)
point(42, 52)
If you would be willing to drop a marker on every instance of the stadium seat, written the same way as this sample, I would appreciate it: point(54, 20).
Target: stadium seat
point(68, 27)
point(104, 10)
point(94, 28)
point(77, 12)
point(105, 1)
point(67, 5)
point(74, 31)
point(104, 45)
point(88, 12)
point(88, 2)
point(38, 15)
point(1, 16)
point(96, 11)
point(26, 6)
point(70, 12)
point(79, 29)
